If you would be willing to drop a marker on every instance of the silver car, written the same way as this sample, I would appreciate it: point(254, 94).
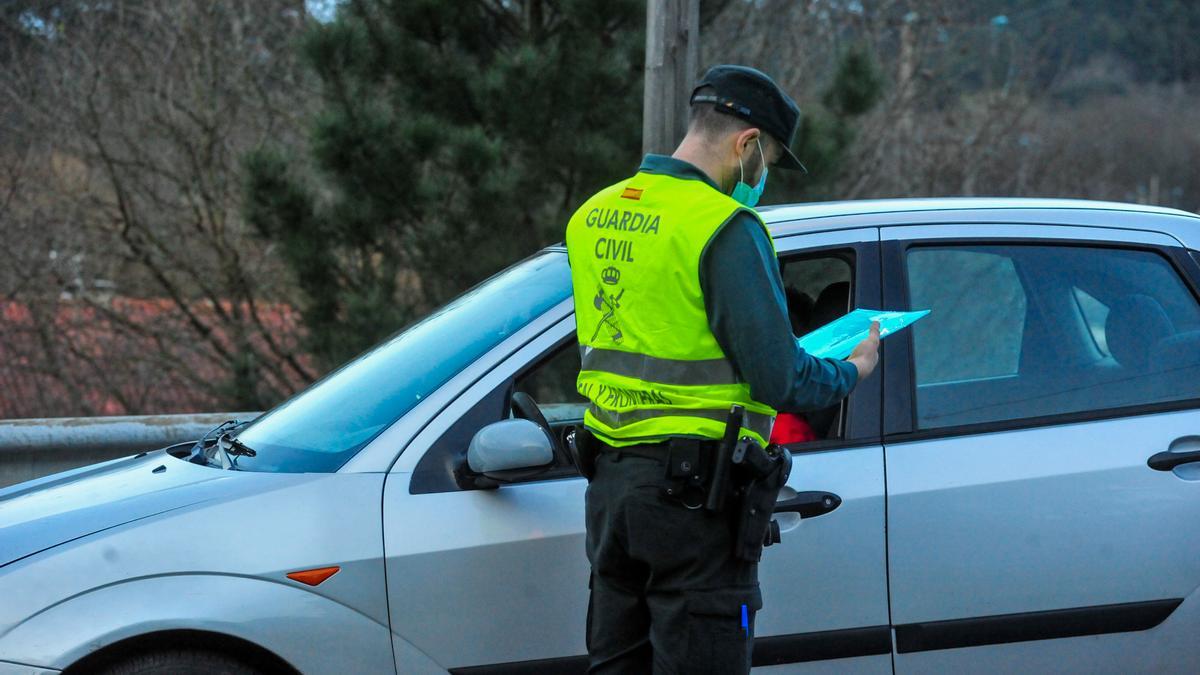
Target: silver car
point(1018, 488)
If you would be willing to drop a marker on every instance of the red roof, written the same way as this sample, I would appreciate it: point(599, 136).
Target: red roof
point(143, 356)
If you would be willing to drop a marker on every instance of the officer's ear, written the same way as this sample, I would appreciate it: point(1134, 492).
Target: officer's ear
point(745, 142)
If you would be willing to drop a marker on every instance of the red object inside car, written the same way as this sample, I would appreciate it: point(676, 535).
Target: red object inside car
point(791, 428)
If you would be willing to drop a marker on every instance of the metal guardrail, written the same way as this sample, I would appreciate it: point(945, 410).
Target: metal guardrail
point(31, 448)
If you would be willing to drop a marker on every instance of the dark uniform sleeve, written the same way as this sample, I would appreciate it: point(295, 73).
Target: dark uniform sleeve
point(747, 312)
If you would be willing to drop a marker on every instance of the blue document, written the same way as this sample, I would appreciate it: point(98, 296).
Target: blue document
point(838, 339)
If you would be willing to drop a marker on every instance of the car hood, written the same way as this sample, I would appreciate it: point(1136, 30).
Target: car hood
point(40, 514)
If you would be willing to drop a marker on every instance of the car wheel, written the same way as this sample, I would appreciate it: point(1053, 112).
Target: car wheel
point(180, 662)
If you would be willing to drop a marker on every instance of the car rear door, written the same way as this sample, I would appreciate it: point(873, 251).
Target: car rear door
point(1043, 507)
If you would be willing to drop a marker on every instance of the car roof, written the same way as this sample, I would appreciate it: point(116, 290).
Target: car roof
point(787, 219)
point(783, 212)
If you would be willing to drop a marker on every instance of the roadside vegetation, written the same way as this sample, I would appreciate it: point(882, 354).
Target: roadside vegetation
point(207, 205)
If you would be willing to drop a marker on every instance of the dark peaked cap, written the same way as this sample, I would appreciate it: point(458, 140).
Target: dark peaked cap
point(753, 96)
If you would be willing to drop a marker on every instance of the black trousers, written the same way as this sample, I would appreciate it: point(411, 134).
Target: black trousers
point(667, 595)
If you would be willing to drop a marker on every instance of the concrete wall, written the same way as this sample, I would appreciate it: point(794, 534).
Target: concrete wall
point(37, 447)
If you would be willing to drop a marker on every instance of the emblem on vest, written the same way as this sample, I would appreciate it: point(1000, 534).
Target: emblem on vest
point(608, 303)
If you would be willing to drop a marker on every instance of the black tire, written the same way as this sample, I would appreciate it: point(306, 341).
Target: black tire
point(180, 662)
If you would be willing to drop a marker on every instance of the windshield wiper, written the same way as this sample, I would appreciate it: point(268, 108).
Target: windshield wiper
point(236, 447)
point(214, 437)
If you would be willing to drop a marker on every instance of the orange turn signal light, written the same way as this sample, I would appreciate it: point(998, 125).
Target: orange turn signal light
point(313, 577)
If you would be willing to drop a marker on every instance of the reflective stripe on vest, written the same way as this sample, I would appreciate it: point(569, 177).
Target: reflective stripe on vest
point(651, 366)
point(756, 422)
point(663, 371)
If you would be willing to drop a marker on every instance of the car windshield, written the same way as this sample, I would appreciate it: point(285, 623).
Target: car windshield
point(322, 427)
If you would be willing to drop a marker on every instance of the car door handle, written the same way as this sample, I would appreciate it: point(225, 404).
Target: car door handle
point(809, 504)
point(1182, 451)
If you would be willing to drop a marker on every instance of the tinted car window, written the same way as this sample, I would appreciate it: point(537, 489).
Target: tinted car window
point(949, 282)
point(1034, 331)
point(323, 426)
point(1095, 313)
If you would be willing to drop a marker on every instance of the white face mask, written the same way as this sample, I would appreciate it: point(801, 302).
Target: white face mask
point(742, 192)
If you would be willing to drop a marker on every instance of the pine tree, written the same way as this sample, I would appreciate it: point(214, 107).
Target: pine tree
point(827, 131)
point(454, 138)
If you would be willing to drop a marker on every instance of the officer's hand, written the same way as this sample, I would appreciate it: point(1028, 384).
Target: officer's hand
point(866, 355)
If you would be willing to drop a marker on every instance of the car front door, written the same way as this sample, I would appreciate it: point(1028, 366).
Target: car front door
point(1042, 504)
point(825, 584)
point(498, 578)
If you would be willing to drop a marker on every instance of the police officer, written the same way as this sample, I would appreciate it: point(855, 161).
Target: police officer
point(681, 314)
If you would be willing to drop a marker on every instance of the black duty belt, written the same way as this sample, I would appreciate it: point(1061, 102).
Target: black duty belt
point(688, 464)
point(655, 451)
point(705, 474)
point(660, 450)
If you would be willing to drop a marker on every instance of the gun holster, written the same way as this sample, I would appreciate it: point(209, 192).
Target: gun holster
point(761, 474)
point(582, 446)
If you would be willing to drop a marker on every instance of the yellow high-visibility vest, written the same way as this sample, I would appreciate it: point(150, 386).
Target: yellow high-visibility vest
point(652, 368)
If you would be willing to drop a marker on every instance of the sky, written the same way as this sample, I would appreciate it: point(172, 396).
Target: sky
point(321, 10)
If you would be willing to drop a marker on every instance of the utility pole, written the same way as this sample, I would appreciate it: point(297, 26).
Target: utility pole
point(672, 59)
point(906, 84)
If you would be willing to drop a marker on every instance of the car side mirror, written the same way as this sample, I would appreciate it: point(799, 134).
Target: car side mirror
point(506, 452)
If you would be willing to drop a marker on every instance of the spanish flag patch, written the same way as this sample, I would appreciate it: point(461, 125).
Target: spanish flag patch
point(631, 193)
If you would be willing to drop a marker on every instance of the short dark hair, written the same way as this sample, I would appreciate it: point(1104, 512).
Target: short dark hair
point(706, 119)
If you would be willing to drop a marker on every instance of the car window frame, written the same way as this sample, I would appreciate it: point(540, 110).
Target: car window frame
point(386, 453)
point(497, 381)
point(900, 423)
point(862, 424)
point(427, 476)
